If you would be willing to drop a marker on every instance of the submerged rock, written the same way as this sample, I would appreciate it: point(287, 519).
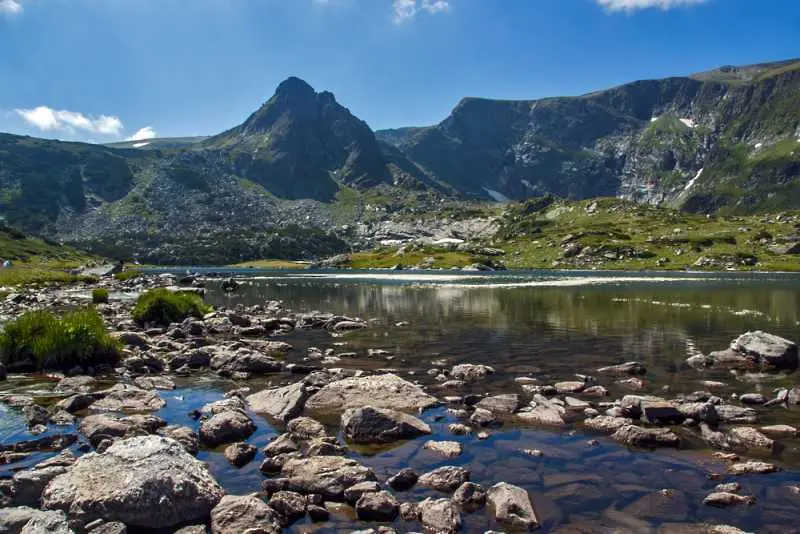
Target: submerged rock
point(122, 398)
point(380, 391)
point(148, 481)
point(376, 425)
point(627, 368)
point(448, 449)
point(512, 506)
point(637, 436)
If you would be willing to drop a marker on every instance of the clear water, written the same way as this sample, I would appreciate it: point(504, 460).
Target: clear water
point(548, 325)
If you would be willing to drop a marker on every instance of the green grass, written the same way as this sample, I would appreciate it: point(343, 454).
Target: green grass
point(53, 342)
point(100, 295)
point(386, 257)
point(162, 307)
point(129, 274)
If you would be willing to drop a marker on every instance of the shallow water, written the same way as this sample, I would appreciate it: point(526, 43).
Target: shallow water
point(549, 326)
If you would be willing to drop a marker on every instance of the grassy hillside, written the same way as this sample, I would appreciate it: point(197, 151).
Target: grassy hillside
point(36, 260)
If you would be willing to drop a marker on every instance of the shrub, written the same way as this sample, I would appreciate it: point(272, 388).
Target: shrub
point(52, 342)
point(127, 275)
point(100, 295)
point(161, 306)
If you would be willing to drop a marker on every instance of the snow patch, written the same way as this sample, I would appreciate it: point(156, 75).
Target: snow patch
point(688, 122)
point(139, 145)
point(691, 182)
point(496, 195)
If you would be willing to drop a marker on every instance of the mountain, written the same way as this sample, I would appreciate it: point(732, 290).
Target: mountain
point(728, 139)
point(303, 177)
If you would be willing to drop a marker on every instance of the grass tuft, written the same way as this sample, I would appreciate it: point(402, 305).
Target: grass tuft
point(51, 342)
point(100, 295)
point(162, 307)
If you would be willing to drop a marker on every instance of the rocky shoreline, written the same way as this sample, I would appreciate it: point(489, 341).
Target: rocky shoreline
point(114, 467)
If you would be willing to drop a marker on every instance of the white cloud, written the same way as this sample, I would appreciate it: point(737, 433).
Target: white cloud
point(403, 10)
point(143, 133)
point(48, 119)
point(632, 5)
point(11, 7)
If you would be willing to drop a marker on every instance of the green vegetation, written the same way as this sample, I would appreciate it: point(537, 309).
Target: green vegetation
point(430, 257)
point(129, 274)
point(162, 307)
point(100, 295)
point(51, 342)
point(615, 234)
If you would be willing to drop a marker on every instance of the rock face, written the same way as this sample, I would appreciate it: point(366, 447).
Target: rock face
point(149, 482)
point(327, 475)
point(236, 515)
point(512, 506)
point(281, 403)
point(380, 391)
point(637, 436)
point(376, 425)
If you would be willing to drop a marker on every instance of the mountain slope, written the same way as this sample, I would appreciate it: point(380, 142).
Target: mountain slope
point(702, 142)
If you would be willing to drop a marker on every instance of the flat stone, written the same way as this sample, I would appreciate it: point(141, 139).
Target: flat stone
point(729, 413)
point(543, 415)
point(28, 485)
point(607, 424)
point(501, 404)
point(471, 372)
point(745, 468)
point(386, 391)
point(627, 368)
point(749, 438)
point(446, 479)
point(637, 436)
point(354, 493)
point(377, 425)
point(661, 413)
point(327, 475)
point(569, 387)
point(154, 382)
point(753, 398)
point(767, 349)
point(448, 449)
point(779, 430)
point(123, 398)
point(282, 403)
point(721, 499)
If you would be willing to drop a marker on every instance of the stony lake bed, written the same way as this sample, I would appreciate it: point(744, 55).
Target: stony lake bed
point(428, 402)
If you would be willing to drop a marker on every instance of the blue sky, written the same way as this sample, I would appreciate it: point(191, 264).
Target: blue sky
point(103, 70)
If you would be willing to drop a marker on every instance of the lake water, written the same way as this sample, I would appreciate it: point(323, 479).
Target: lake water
point(550, 326)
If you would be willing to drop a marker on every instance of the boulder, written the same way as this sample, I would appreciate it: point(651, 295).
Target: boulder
point(28, 485)
point(75, 384)
point(50, 522)
point(767, 349)
point(544, 414)
point(377, 425)
point(290, 505)
point(439, 515)
point(729, 413)
point(240, 514)
point(512, 506)
point(569, 387)
point(377, 506)
point(699, 411)
point(354, 493)
point(446, 479)
point(103, 426)
point(470, 496)
point(327, 475)
point(123, 398)
point(12, 520)
point(379, 391)
point(403, 480)
point(282, 403)
point(606, 423)
point(756, 399)
point(75, 403)
point(227, 363)
point(637, 436)
point(661, 413)
point(305, 428)
point(722, 499)
point(239, 454)
point(112, 527)
point(282, 444)
point(226, 427)
point(469, 372)
point(746, 468)
point(154, 382)
point(185, 436)
point(147, 481)
point(785, 431)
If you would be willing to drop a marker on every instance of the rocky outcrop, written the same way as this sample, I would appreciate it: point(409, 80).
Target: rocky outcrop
point(376, 425)
point(387, 391)
point(148, 482)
